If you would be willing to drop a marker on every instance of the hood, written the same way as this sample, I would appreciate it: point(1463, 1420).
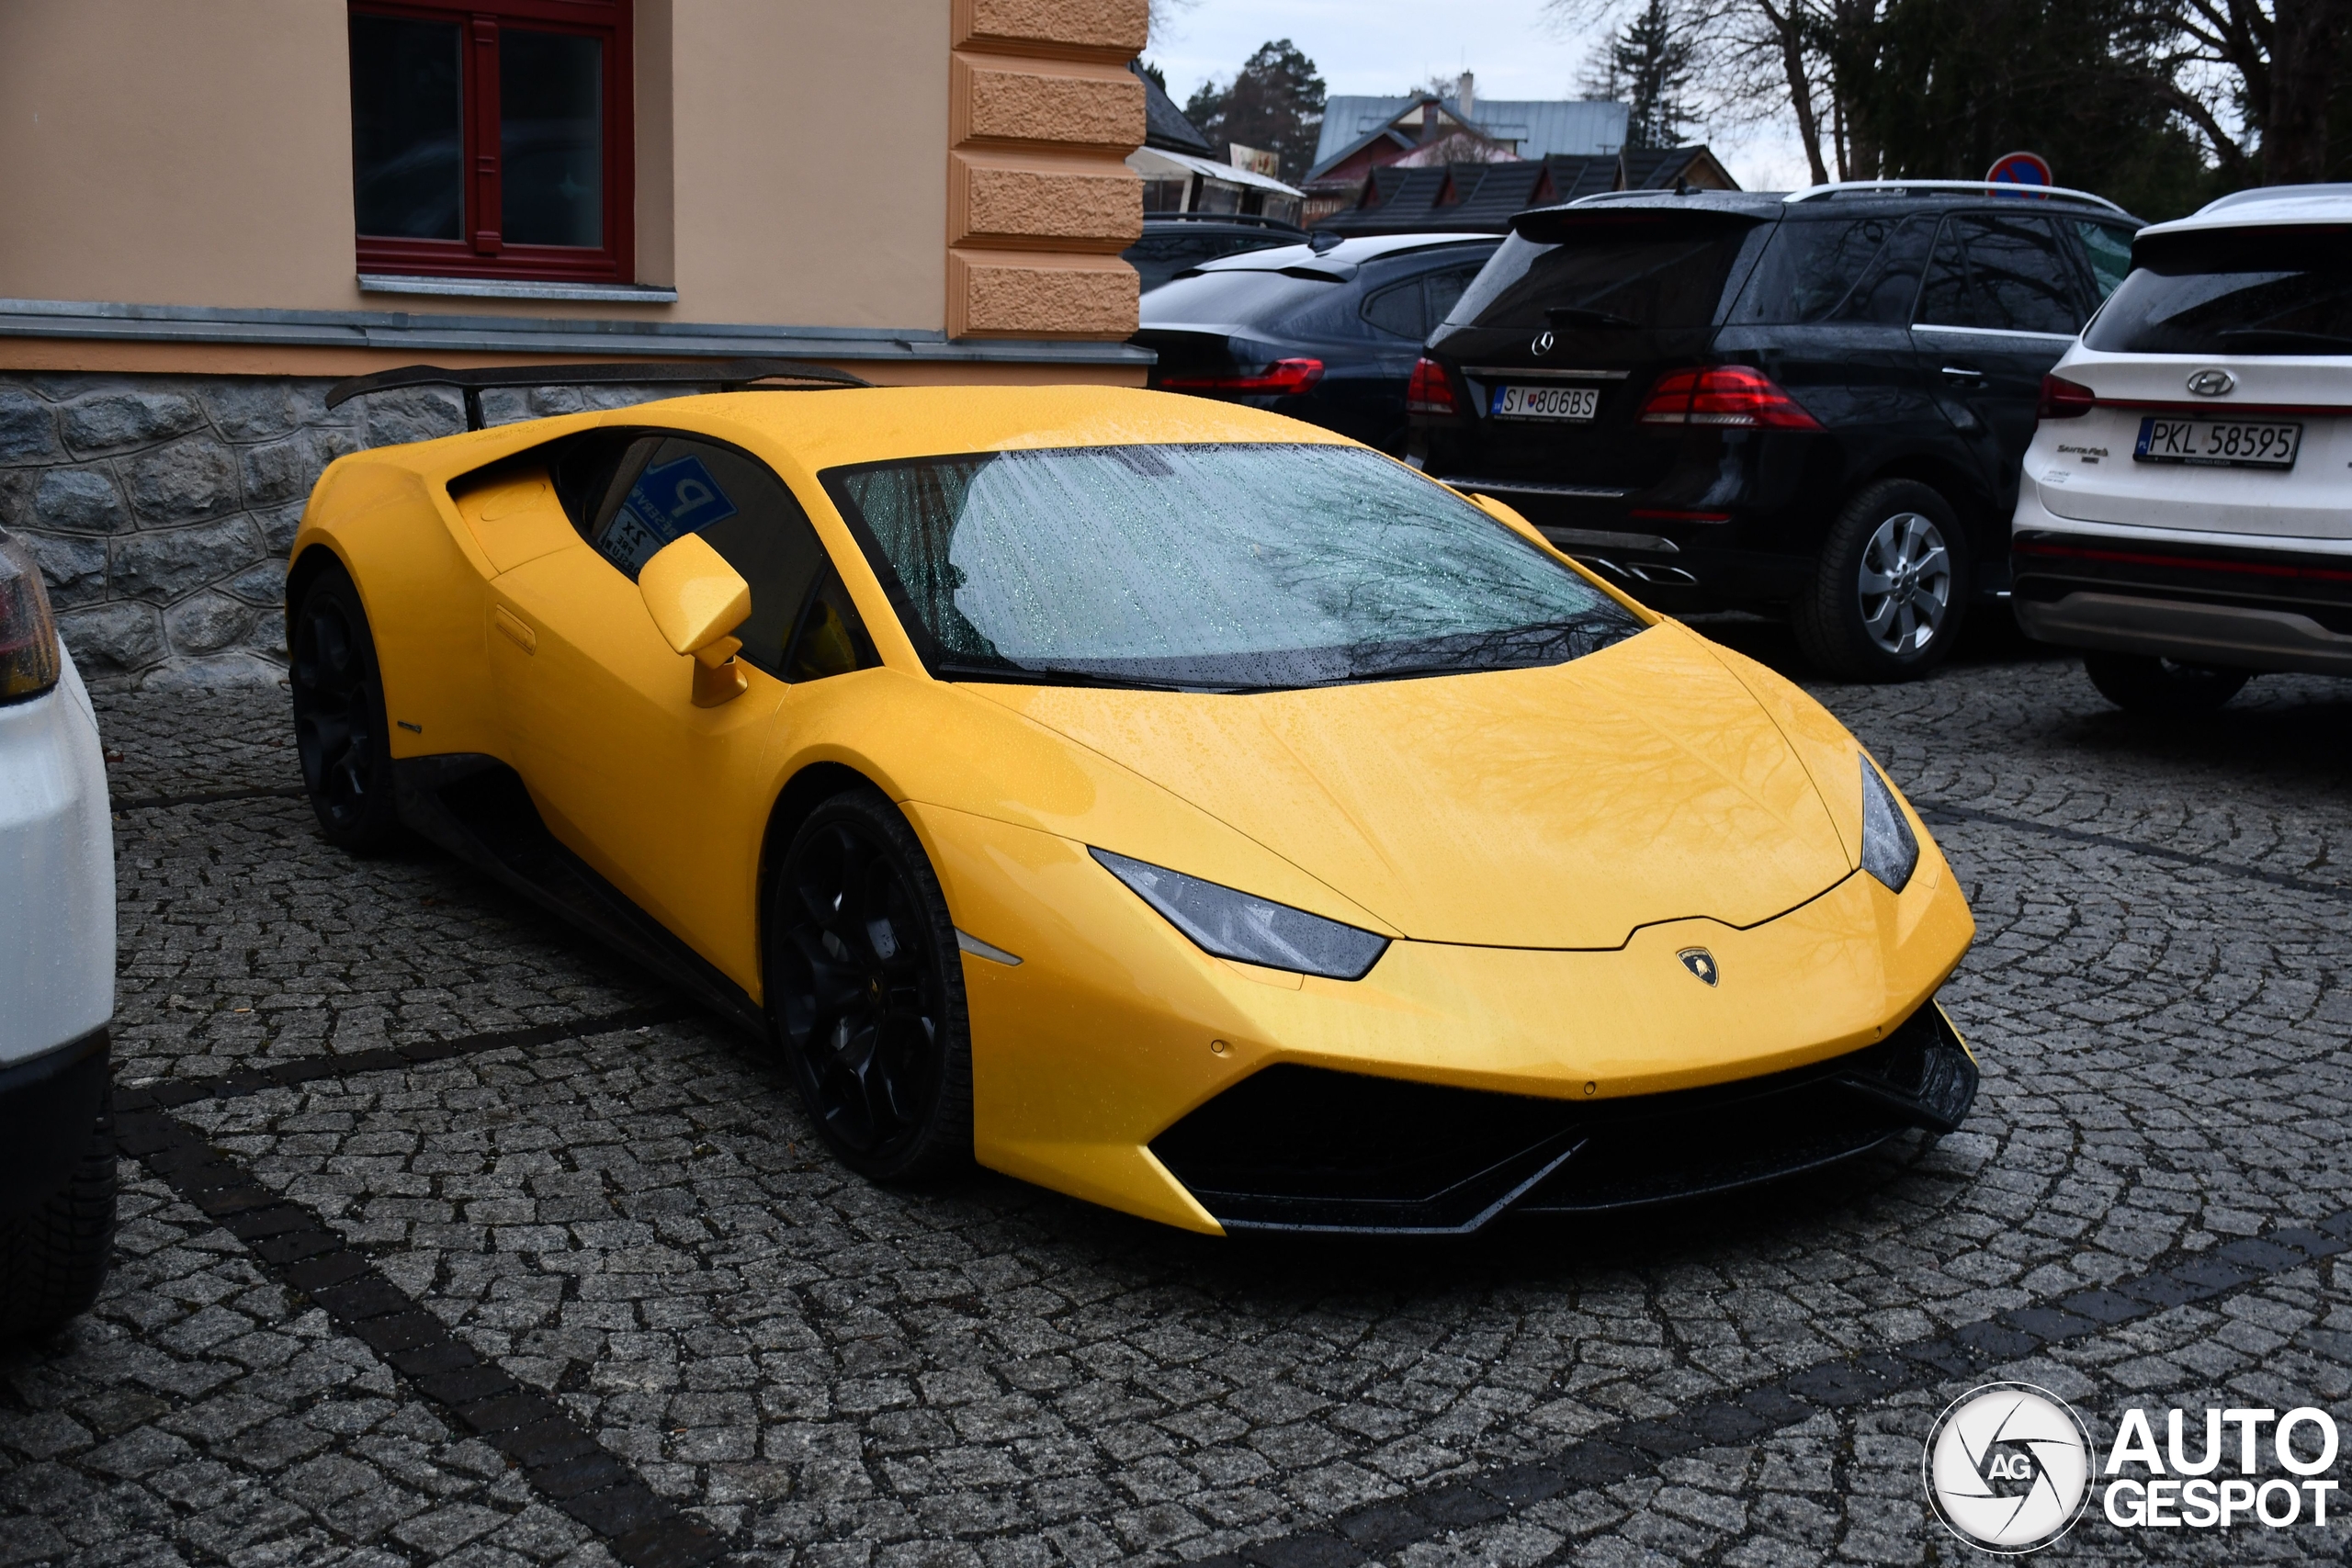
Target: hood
point(1558, 807)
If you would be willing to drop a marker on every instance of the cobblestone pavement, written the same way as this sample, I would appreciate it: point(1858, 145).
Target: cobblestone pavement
point(499, 1254)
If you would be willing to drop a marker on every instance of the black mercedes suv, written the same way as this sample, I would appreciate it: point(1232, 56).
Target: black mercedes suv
point(1816, 404)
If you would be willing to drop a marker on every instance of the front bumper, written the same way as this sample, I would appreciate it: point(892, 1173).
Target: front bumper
point(57, 899)
point(1112, 1029)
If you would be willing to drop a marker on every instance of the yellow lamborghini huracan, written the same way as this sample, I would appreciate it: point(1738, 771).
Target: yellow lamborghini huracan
point(1152, 798)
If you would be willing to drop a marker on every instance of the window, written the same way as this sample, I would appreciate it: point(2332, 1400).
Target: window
point(1838, 269)
point(1605, 272)
point(2002, 273)
point(802, 625)
point(2233, 291)
point(1226, 566)
point(492, 141)
point(1398, 309)
point(2107, 247)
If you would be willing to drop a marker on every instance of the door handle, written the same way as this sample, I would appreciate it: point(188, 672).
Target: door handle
point(1963, 375)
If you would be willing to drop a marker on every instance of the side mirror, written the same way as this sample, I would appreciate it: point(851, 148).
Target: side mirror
point(696, 600)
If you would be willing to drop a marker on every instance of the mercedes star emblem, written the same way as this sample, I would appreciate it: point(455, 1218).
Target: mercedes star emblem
point(1543, 344)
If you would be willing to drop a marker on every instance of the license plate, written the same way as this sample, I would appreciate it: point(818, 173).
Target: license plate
point(2219, 443)
point(1545, 403)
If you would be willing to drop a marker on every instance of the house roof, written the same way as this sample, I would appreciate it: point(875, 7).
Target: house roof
point(1161, 160)
point(1164, 125)
point(1543, 127)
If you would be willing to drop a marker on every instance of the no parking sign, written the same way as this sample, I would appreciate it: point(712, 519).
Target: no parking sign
point(2020, 169)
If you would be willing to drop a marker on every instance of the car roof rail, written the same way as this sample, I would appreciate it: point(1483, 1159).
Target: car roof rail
point(1981, 187)
point(727, 374)
point(2276, 193)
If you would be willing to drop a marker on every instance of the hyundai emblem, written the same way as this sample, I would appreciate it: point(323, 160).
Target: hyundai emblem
point(1543, 344)
point(2213, 383)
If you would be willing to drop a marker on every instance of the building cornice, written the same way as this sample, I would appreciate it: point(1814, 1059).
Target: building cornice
point(423, 333)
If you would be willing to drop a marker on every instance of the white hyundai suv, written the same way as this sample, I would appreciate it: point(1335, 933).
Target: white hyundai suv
point(2186, 513)
point(57, 1170)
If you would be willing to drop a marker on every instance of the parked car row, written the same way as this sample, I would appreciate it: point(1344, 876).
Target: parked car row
point(1838, 404)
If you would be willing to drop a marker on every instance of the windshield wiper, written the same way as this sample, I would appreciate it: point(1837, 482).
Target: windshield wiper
point(1059, 675)
point(1577, 316)
point(2283, 335)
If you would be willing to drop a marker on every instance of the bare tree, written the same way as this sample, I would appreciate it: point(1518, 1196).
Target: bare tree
point(2270, 66)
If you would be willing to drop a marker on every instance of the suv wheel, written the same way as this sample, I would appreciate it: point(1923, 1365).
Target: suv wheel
point(1890, 588)
point(2141, 682)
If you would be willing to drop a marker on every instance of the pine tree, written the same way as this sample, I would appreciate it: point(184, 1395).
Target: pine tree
point(1275, 102)
point(1653, 58)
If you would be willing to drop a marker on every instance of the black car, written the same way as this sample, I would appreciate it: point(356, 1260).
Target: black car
point(1817, 403)
point(1328, 331)
point(1174, 241)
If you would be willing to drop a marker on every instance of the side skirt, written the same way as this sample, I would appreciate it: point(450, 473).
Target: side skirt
point(477, 809)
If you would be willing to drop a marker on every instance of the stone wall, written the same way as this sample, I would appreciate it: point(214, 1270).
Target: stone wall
point(162, 506)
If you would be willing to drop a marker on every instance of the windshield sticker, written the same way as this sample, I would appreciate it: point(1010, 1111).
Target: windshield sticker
point(667, 502)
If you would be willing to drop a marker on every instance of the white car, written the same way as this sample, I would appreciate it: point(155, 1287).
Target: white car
point(57, 1158)
point(2186, 514)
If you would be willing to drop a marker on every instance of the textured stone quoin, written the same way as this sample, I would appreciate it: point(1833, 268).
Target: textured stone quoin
point(990, 201)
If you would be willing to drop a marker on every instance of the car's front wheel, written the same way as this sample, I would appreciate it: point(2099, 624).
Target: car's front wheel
point(339, 729)
point(866, 985)
point(2140, 683)
point(1890, 588)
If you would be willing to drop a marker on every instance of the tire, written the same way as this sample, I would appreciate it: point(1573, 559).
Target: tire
point(339, 728)
point(54, 1258)
point(866, 986)
point(1891, 587)
point(2143, 683)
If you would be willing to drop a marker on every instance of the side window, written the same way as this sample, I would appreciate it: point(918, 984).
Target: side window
point(667, 487)
point(1886, 296)
point(1999, 272)
point(1398, 309)
point(2107, 247)
point(1446, 291)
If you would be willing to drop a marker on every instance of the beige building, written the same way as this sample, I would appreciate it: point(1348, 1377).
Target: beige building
point(215, 209)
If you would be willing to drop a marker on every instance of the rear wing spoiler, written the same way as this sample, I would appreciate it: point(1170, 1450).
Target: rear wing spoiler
point(727, 374)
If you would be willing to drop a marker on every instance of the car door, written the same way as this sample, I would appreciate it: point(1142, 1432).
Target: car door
point(663, 797)
point(1999, 305)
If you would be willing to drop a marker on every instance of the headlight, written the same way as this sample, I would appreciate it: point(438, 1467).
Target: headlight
point(1890, 851)
point(1246, 929)
point(29, 662)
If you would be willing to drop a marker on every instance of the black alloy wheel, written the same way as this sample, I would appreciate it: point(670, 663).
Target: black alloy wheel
point(867, 987)
point(1891, 587)
point(2143, 683)
point(339, 728)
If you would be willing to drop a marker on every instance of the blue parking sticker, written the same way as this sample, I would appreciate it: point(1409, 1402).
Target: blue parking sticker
point(667, 502)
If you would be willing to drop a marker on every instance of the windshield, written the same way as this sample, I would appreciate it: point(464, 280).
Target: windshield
point(1605, 272)
point(1226, 566)
point(2245, 291)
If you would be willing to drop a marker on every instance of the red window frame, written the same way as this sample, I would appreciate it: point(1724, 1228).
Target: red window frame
point(483, 253)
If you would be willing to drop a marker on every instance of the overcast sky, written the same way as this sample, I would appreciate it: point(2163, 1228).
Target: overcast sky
point(1389, 46)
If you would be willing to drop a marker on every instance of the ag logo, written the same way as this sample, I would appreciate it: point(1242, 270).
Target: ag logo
point(2008, 1467)
point(1543, 344)
point(1700, 962)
